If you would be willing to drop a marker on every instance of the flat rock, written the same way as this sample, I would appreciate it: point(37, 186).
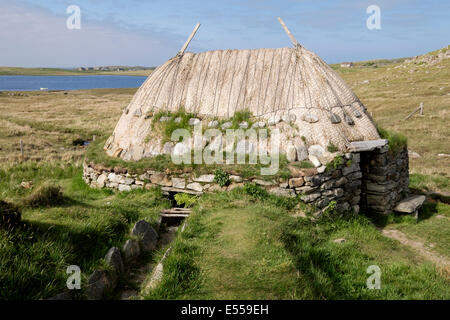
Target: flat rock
point(360, 146)
point(195, 186)
point(124, 188)
point(281, 192)
point(410, 204)
point(206, 178)
point(316, 150)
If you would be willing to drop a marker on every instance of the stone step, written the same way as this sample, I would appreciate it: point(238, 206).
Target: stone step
point(410, 205)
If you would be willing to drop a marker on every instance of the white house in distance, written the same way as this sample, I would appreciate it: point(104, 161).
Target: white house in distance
point(346, 64)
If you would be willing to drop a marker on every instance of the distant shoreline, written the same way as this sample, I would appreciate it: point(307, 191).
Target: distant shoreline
point(18, 71)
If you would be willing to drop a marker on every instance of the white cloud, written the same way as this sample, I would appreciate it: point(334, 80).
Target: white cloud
point(32, 36)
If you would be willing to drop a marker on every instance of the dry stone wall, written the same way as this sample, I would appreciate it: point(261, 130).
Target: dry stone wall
point(385, 178)
point(340, 182)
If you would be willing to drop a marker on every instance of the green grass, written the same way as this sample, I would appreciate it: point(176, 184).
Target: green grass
point(168, 127)
point(249, 247)
point(429, 182)
point(78, 231)
point(396, 140)
point(432, 228)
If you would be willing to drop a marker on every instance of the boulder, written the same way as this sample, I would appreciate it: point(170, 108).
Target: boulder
point(147, 235)
point(114, 259)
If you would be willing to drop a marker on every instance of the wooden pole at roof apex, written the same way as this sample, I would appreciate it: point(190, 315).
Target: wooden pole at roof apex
point(294, 41)
point(181, 52)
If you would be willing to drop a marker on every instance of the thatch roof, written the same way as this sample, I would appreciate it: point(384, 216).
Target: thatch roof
point(266, 82)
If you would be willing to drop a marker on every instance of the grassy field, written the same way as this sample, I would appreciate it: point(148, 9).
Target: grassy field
point(250, 248)
point(235, 246)
point(16, 71)
point(77, 228)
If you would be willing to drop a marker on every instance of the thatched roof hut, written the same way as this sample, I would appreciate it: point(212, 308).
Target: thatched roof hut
point(267, 82)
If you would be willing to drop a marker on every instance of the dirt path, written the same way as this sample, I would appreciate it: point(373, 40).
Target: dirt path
point(419, 247)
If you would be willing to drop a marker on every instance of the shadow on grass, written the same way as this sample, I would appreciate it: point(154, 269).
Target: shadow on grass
point(428, 210)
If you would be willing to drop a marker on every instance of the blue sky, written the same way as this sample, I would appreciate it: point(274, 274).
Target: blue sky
point(33, 33)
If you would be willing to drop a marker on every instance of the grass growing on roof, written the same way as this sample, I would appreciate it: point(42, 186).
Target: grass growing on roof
point(96, 154)
point(170, 125)
point(396, 140)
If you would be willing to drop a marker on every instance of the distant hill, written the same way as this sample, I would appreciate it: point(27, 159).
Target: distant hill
point(432, 57)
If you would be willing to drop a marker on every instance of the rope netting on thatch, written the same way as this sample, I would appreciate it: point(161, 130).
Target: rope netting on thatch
point(266, 82)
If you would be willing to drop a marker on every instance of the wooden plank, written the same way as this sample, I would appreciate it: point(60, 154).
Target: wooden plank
point(179, 215)
point(294, 41)
point(360, 146)
point(181, 52)
point(171, 211)
point(420, 108)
